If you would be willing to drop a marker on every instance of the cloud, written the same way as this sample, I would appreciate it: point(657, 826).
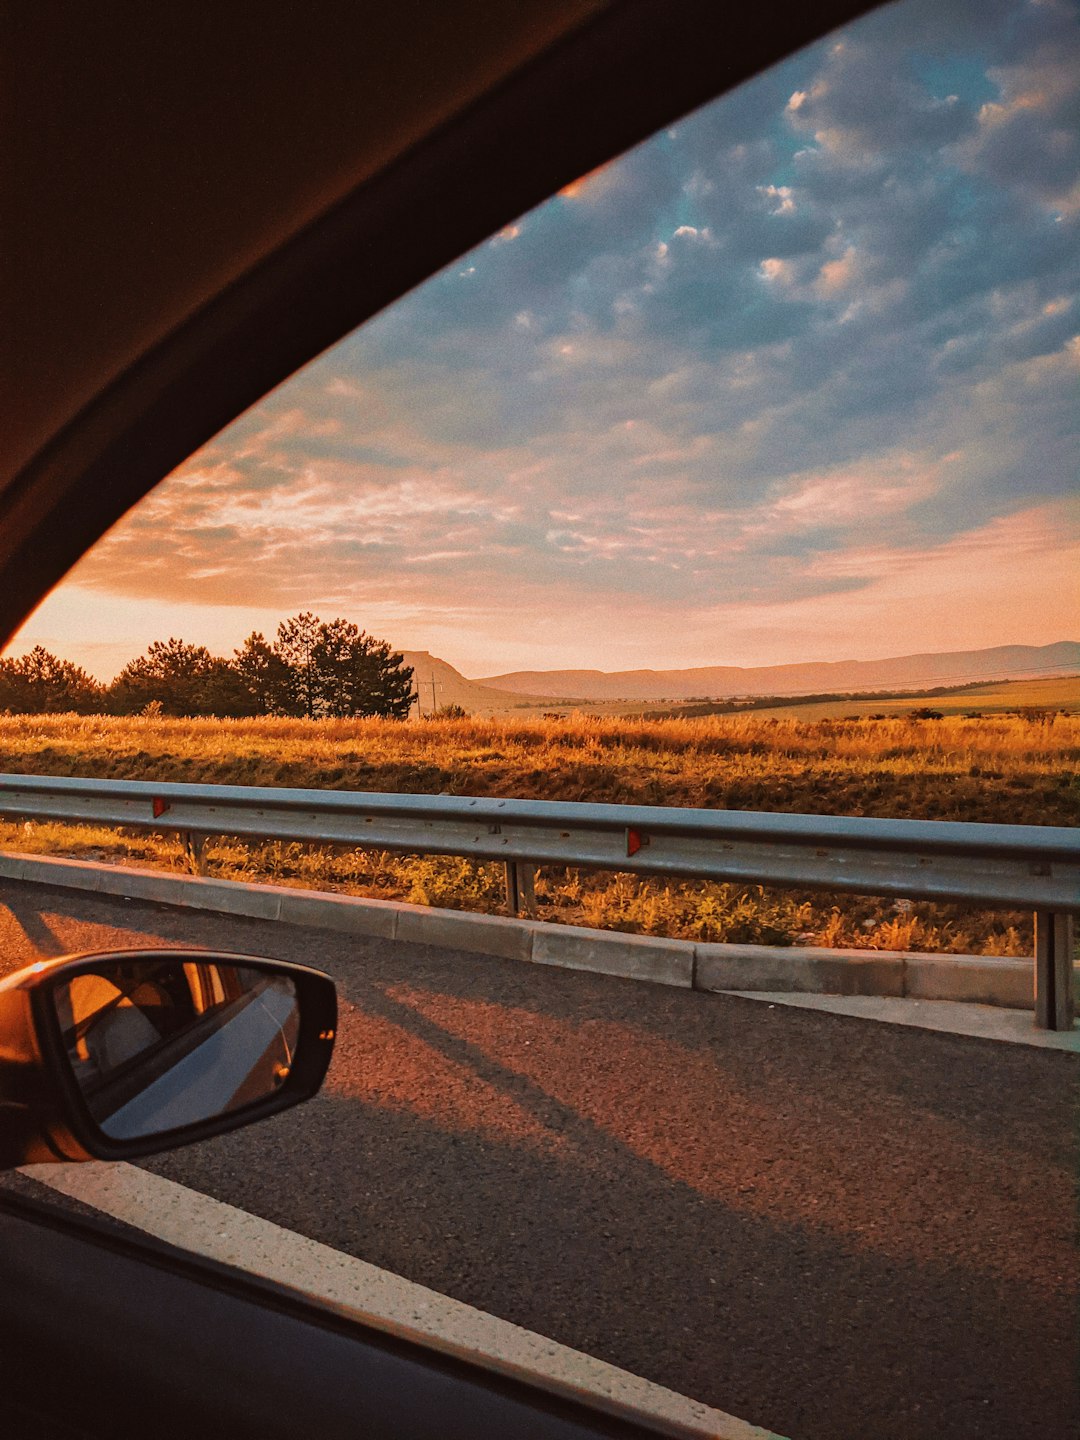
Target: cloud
point(831, 317)
point(1029, 136)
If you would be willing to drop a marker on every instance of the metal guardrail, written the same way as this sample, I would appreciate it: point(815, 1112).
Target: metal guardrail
point(996, 866)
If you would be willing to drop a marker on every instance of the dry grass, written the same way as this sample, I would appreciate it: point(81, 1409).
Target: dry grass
point(992, 769)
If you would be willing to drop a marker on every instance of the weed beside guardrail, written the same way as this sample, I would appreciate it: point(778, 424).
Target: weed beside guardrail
point(994, 865)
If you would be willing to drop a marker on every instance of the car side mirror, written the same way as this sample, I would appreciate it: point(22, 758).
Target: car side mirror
point(113, 1056)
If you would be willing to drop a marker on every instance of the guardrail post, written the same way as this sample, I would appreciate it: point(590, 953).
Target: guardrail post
point(1055, 1003)
point(194, 852)
point(520, 888)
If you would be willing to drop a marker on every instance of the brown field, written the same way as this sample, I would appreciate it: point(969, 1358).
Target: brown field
point(996, 768)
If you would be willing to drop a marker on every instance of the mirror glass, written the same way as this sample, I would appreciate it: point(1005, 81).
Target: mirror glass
point(156, 1044)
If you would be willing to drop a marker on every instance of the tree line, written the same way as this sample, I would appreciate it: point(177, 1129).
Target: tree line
point(314, 668)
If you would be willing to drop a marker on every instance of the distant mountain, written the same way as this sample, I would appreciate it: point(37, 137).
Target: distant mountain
point(912, 672)
point(452, 688)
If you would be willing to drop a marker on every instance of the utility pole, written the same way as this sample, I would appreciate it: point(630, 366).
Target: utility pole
point(435, 684)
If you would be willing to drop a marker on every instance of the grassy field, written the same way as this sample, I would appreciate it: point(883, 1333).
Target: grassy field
point(993, 698)
point(991, 769)
point(997, 698)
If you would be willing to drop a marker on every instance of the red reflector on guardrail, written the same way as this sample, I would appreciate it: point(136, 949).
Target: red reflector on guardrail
point(634, 841)
point(159, 807)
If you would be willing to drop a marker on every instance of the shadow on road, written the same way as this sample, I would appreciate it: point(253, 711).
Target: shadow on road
point(832, 1244)
point(41, 939)
point(836, 1229)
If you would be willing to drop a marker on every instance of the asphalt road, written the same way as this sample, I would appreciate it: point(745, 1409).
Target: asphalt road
point(827, 1226)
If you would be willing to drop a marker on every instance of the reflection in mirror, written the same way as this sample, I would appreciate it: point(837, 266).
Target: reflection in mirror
point(157, 1044)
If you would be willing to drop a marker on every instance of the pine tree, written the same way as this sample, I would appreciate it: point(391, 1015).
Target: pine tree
point(40, 683)
point(262, 676)
point(337, 670)
point(174, 674)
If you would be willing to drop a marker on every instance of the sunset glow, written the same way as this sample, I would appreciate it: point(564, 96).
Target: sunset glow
point(797, 379)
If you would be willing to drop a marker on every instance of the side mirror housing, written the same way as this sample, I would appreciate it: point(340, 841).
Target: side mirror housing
point(116, 1055)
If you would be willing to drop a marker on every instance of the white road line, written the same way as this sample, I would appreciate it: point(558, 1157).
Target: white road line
point(223, 1233)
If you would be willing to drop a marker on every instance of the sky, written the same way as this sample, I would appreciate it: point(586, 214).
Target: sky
point(798, 379)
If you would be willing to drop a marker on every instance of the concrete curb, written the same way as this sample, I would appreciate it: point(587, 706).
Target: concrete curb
point(978, 979)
